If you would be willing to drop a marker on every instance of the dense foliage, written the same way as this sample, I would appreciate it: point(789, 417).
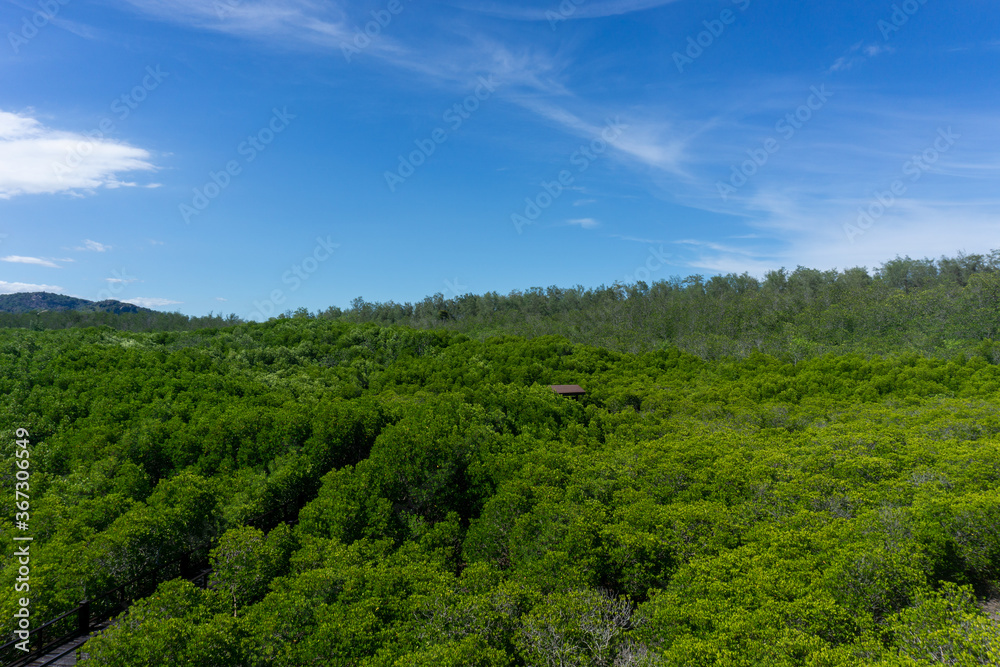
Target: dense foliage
point(837, 510)
point(927, 306)
point(934, 307)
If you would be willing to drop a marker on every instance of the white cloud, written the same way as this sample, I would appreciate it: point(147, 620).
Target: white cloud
point(11, 288)
point(586, 223)
point(873, 50)
point(38, 261)
point(842, 63)
point(857, 55)
point(35, 159)
point(94, 246)
point(811, 229)
point(650, 143)
point(150, 302)
point(795, 207)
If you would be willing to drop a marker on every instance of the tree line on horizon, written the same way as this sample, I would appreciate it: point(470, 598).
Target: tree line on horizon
point(925, 305)
point(929, 306)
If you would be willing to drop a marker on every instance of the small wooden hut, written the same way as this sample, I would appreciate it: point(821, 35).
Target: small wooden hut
point(571, 390)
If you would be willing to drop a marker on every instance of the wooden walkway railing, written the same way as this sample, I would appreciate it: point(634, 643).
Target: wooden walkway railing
point(86, 616)
point(66, 630)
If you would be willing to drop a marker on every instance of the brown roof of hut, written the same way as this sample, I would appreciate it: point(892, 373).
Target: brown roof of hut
point(568, 389)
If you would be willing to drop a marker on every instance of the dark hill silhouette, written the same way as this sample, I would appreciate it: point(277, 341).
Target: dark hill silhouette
point(27, 302)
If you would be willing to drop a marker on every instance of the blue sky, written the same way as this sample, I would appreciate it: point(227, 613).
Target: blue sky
point(255, 156)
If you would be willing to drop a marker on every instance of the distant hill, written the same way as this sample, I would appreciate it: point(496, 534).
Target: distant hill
point(27, 302)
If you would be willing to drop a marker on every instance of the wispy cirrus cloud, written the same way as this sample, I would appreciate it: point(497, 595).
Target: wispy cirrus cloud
point(288, 23)
point(636, 239)
point(34, 159)
point(653, 144)
point(858, 54)
point(528, 77)
point(330, 24)
point(56, 18)
point(93, 246)
point(37, 261)
point(797, 206)
point(588, 10)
